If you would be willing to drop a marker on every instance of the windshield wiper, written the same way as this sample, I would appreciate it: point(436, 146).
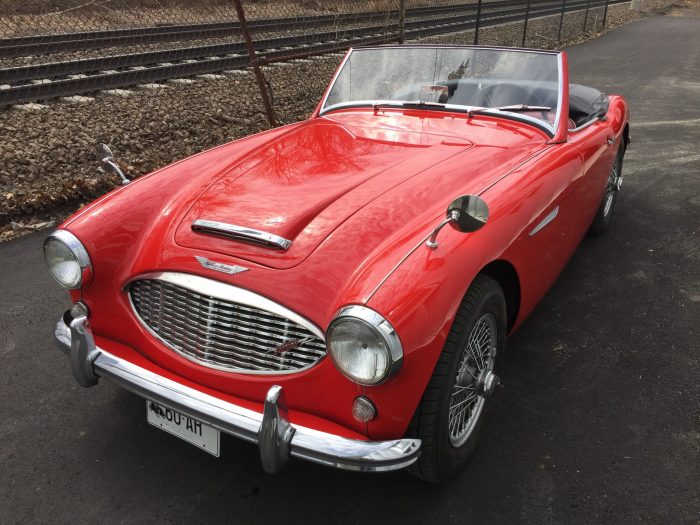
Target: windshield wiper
point(409, 104)
point(522, 107)
point(420, 104)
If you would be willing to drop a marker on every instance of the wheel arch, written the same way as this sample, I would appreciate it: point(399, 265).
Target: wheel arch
point(503, 272)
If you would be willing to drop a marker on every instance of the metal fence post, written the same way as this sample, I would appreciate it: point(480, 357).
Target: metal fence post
point(527, 17)
point(402, 19)
point(254, 62)
point(585, 18)
point(478, 19)
point(605, 13)
point(561, 20)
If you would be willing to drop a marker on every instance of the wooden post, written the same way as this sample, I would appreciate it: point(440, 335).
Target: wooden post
point(254, 62)
point(561, 20)
point(527, 17)
point(585, 18)
point(402, 19)
point(478, 20)
point(605, 13)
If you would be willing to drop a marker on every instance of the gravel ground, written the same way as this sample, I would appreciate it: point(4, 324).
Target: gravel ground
point(47, 161)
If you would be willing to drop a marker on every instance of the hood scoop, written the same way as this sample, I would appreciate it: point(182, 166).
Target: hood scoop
point(284, 198)
point(241, 233)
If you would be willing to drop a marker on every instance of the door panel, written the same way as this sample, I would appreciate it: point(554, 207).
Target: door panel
point(549, 208)
point(597, 155)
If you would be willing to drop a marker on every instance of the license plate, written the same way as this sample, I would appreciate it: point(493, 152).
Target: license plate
point(184, 427)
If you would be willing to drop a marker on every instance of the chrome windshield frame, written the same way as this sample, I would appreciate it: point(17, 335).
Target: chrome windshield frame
point(550, 129)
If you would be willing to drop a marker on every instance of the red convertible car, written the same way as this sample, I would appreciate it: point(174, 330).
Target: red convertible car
point(340, 289)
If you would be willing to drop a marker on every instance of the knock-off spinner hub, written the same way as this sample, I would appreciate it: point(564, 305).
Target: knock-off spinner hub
point(488, 383)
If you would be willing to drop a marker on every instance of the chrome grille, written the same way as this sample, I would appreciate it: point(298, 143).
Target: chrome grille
point(221, 333)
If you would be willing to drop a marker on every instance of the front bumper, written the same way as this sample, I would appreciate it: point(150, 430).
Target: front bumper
point(277, 439)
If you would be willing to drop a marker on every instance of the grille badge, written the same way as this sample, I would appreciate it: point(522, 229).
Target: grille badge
point(292, 344)
point(220, 267)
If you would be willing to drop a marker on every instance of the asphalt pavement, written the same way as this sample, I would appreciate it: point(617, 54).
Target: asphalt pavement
point(599, 420)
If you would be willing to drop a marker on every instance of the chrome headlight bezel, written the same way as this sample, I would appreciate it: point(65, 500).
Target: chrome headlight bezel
point(367, 319)
point(79, 255)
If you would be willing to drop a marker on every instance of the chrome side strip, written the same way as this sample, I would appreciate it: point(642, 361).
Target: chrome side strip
point(275, 436)
point(544, 222)
point(241, 233)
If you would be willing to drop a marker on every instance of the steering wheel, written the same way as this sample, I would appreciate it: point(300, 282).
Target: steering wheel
point(498, 95)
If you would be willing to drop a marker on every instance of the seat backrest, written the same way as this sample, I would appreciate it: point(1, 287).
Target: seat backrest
point(586, 103)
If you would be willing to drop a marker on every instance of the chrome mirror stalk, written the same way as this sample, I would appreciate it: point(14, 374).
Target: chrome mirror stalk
point(465, 214)
point(432, 240)
point(106, 159)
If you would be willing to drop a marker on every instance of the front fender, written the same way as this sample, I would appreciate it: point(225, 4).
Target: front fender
point(420, 299)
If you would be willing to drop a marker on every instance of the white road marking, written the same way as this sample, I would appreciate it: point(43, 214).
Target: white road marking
point(653, 124)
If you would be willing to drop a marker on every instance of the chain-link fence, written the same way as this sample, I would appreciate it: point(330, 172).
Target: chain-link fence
point(66, 48)
point(162, 79)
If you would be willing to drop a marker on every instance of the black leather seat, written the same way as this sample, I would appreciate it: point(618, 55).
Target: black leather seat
point(586, 103)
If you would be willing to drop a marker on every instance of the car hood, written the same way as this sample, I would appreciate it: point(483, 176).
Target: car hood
point(369, 187)
point(303, 184)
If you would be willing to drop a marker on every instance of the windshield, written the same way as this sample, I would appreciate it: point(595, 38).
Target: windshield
point(522, 83)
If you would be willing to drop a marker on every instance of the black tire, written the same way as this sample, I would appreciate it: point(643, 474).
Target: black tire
point(601, 221)
point(440, 459)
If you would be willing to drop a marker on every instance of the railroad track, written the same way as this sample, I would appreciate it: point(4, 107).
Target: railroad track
point(58, 79)
point(70, 42)
point(89, 66)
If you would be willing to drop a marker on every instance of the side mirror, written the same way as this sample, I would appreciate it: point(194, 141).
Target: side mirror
point(106, 159)
point(472, 213)
point(465, 214)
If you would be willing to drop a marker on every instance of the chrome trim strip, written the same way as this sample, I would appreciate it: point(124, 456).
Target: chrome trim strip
point(332, 82)
point(397, 265)
point(455, 108)
point(385, 329)
point(241, 233)
point(460, 46)
point(585, 125)
point(305, 443)
point(551, 128)
point(74, 245)
point(226, 292)
point(544, 222)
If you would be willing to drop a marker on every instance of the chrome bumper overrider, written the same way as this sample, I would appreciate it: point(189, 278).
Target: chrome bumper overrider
point(277, 439)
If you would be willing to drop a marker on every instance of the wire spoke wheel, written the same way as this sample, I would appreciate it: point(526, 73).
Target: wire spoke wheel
point(612, 186)
point(604, 214)
point(451, 413)
point(476, 362)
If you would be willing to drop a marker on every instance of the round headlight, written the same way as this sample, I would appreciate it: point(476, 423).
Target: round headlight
point(67, 259)
point(363, 345)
